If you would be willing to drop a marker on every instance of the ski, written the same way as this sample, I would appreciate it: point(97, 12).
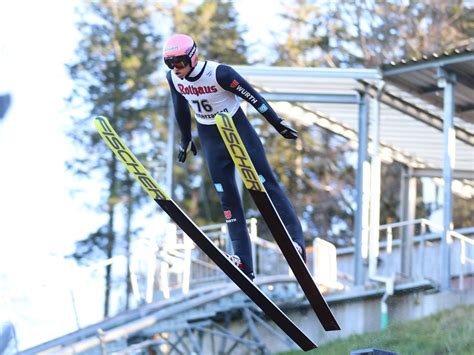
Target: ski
point(269, 213)
point(134, 166)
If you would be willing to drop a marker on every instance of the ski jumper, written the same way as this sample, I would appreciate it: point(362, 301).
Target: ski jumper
point(211, 88)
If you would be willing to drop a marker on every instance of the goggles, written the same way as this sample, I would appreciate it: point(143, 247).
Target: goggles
point(178, 62)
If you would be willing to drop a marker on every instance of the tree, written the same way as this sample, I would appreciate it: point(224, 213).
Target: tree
point(363, 33)
point(381, 31)
point(113, 76)
point(318, 179)
point(369, 33)
point(215, 27)
point(306, 41)
point(315, 172)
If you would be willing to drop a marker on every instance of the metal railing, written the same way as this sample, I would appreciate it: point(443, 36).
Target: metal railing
point(197, 270)
point(430, 235)
point(182, 266)
point(176, 265)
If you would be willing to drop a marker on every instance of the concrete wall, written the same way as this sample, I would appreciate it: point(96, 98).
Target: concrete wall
point(362, 314)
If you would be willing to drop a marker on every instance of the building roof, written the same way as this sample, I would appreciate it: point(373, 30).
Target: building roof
point(420, 76)
point(410, 126)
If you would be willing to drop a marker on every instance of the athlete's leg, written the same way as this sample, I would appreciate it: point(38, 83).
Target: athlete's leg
point(280, 200)
point(222, 171)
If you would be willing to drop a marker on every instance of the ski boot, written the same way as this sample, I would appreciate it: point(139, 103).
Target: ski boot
point(299, 249)
point(235, 259)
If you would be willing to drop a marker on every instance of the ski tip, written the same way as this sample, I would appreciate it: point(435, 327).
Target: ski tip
point(101, 118)
point(101, 122)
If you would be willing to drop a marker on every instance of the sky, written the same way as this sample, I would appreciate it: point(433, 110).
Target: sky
point(39, 218)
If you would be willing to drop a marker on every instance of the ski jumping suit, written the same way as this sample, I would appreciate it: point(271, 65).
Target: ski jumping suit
point(211, 88)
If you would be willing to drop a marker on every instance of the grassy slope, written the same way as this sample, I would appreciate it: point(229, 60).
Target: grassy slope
point(448, 332)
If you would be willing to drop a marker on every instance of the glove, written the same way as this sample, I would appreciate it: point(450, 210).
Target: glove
point(285, 130)
point(184, 149)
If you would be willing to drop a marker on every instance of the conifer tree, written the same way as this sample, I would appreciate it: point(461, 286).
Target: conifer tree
point(113, 75)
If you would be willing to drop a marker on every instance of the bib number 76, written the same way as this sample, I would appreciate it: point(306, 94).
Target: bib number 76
point(203, 104)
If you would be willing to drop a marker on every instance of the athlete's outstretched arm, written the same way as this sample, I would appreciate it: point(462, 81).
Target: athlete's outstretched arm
point(181, 111)
point(232, 81)
point(183, 116)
